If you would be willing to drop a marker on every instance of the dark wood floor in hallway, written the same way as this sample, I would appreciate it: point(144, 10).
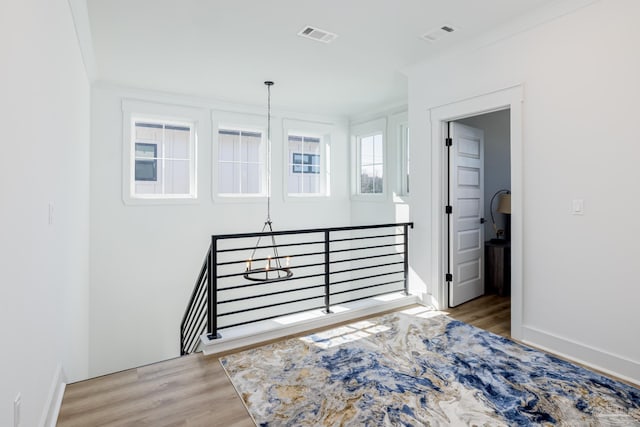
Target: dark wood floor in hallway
point(195, 391)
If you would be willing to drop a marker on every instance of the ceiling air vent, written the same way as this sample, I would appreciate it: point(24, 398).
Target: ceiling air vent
point(317, 34)
point(438, 33)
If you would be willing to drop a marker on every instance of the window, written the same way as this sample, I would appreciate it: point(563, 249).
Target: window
point(240, 162)
point(304, 164)
point(307, 159)
point(159, 152)
point(163, 160)
point(404, 159)
point(371, 164)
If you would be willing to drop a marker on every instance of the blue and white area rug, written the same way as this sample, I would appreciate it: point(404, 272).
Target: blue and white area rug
point(421, 370)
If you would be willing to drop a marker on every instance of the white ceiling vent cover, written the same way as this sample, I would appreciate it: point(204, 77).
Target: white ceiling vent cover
point(438, 33)
point(317, 34)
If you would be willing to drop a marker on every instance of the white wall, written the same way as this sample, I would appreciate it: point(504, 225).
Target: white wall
point(44, 114)
point(497, 167)
point(579, 142)
point(145, 259)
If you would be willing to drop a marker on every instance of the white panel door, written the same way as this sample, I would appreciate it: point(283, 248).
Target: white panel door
point(466, 231)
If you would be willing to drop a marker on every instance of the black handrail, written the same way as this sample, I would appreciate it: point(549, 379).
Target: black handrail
point(202, 313)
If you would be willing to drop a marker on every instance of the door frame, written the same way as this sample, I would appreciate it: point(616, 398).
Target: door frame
point(510, 98)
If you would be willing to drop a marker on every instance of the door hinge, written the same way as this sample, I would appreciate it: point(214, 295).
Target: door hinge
point(482, 221)
point(448, 277)
point(448, 142)
point(448, 209)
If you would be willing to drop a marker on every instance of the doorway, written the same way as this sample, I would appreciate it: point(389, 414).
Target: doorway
point(479, 191)
point(511, 99)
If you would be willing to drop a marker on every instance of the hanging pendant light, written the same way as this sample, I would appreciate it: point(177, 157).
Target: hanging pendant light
point(273, 270)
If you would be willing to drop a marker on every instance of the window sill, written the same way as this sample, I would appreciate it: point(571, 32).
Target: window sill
point(157, 201)
point(375, 198)
point(239, 198)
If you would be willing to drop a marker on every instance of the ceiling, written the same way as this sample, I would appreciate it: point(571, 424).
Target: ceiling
point(226, 49)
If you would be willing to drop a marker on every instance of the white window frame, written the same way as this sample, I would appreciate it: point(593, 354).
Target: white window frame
point(400, 128)
point(141, 111)
point(308, 129)
point(358, 132)
point(244, 122)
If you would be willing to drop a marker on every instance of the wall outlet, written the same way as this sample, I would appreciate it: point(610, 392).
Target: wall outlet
point(17, 403)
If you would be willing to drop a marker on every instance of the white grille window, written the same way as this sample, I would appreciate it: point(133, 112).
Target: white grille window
point(240, 162)
point(305, 165)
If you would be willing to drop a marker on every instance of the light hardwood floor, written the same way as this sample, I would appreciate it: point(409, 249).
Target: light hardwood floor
point(194, 390)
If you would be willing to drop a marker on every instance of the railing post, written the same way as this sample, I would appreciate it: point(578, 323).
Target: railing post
point(212, 291)
point(406, 259)
point(327, 273)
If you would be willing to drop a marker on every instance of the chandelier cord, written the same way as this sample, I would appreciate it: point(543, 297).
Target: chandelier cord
point(269, 84)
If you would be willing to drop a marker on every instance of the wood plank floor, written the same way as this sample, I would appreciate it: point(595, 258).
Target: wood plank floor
point(194, 390)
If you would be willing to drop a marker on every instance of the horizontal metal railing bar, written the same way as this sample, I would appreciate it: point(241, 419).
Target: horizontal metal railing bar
point(270, 317)
point(248, 285)
point(366, 247)
point(269, 306)
point(367, 267)
point(243, 261)
point(353, 279)
point(370, 296)
point(225, 276)
point(203, 271)
point(250, 248)
point(367, 237)
point(309, 231)
point(367, 257)
point(270, 294)
point(367, 287)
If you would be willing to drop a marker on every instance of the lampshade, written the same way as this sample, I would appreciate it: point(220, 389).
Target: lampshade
point(504, 204)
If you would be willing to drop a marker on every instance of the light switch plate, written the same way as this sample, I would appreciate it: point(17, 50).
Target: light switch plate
point(577, 207)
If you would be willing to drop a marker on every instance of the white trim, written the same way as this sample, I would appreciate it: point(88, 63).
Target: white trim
point(626, 369)
point(166, 113)
point(307, 128)
point(80, 16)
point(398, 123)
point(49, 417)
point(267, 330)
point(508, 98)
point(238, 121)
point(358, 132)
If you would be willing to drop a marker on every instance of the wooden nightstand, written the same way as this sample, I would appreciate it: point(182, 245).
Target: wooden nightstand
point(497, 267)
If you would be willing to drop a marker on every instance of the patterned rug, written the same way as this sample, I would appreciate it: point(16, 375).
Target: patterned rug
point(421, 370)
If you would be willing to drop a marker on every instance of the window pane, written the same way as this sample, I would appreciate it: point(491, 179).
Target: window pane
point(251, 179)
point(295, 183)
point(176, 143)
point(176, 176)
point(377, 179)
point(253, 149)
point(366, 151)
point(227, 174)
point(311, 183)
point(366, 179)
point(377, 149)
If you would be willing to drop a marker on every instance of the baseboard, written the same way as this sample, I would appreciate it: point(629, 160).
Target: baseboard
point(51, 409)
point(255, 333)
point(604, 361)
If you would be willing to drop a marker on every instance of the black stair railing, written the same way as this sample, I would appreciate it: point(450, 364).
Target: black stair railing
point(326, 267)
